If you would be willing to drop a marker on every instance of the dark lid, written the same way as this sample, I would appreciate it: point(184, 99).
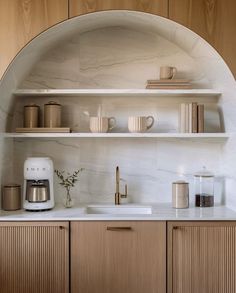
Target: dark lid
point(11, 185)
point(32, 105)
point(52, 103)
point(180, 182)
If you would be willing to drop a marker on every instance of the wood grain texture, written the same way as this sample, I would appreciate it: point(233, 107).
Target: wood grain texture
point(202, 257)
point(214, 20)
point(34, 257)
point(78, 7)
point(21, 20)
point(129, 261)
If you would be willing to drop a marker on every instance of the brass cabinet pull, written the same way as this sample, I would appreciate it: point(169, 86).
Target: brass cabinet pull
point(119, 228)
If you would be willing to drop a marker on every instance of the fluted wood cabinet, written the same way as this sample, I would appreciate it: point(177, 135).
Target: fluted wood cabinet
point(34, 257)
point(78, 7)
point(118, 257)
point(201, 257)
point(22, 20)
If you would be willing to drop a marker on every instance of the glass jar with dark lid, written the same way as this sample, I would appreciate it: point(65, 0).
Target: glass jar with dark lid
point(204, 188)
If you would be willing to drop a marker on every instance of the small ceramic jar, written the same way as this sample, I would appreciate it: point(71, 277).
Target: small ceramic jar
point(52, 115)
point(180, 195)
point(31, 116)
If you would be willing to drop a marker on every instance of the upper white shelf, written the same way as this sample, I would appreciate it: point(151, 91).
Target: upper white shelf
point(117, 92)
point(119, 135)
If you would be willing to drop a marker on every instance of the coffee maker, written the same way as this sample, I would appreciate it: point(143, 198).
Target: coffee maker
point(38, 184)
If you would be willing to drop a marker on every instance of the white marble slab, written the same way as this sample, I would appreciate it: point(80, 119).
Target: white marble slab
point(161, 212)
point(118, 92)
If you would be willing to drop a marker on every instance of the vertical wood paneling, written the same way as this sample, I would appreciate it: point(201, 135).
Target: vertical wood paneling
point(78, 7)
point(214, 20)
point(202, 257)
point(21, 20)
point(34, 258)
point(131, 261)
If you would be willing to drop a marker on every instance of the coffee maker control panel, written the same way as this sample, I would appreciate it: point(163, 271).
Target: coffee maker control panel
point(35, 168)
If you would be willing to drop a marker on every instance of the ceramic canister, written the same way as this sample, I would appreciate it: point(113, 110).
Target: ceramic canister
point(180, 194)
point(11, 197)
point(52, 114)
point(31, 116)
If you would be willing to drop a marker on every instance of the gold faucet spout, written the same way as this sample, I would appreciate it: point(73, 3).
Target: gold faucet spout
point(118, 195)
point(117, 180)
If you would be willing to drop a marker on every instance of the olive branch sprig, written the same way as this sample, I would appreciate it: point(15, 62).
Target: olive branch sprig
point(68, 181)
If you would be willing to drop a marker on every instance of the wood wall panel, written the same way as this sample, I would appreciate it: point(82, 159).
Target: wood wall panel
point(34, 257)
point(21, 20)
point(214, 20)
point(78, 7)
point(130, 261)
point(202, 257)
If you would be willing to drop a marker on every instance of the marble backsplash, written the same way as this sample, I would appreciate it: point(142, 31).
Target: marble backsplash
point(148, 166)
point(112, 57)
point(121, 57)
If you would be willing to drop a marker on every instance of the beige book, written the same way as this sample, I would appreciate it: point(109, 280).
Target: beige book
point(182, 117)
point(194, 118)
point(186, 117)
point(190, 107)
point(162, 81)
point(168, 87)
point(200, 118)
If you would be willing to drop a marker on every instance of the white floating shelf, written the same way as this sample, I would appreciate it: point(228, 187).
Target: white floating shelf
point(119, 135)
point(117, 92)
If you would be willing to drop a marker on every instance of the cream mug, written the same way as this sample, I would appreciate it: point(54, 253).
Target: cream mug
point(102, 124)
point(167, 72)
point(140, 123)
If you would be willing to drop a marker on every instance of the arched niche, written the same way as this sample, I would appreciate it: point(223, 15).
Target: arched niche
point(121, 49)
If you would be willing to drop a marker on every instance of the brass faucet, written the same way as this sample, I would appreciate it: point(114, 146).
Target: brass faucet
point(118, 195)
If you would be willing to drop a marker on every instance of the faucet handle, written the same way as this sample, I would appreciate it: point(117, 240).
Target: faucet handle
point(126, 192)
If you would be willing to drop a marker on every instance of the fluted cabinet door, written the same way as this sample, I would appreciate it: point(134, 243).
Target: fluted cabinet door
point(34, 257)
point(22, 20)
point(78, 7)
point(202, 257)
point(118, 257)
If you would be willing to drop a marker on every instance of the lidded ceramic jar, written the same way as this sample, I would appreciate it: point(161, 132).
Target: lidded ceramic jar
point(52, 114)
point(204, 188)
point(180, 194)
point(31, 116)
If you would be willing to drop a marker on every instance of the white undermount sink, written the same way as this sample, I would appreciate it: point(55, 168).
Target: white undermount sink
point(118, 209)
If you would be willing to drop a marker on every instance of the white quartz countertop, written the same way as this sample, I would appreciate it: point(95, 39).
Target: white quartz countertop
point(160, 212)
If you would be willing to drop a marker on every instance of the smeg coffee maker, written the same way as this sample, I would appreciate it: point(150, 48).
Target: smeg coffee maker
point(38, 184)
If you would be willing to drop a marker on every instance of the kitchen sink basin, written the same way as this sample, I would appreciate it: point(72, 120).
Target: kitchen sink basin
point(119, 209)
